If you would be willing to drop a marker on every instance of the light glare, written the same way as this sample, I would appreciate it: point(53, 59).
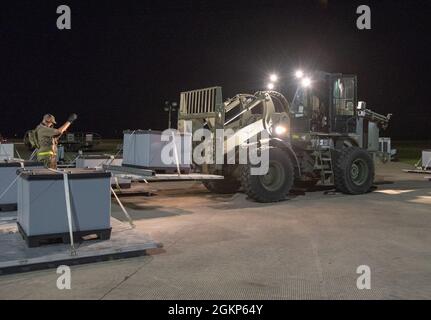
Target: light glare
point(270, 86)
point(273, 77)
point(280, 130)
point(299, 74)
point(306, 82)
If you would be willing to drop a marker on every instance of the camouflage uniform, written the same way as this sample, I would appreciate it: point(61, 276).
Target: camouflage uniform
point(47, 138)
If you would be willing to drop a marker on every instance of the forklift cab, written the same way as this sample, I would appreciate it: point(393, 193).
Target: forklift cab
point(328, 105)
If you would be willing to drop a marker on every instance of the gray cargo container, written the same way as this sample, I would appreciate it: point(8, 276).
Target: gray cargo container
point(143, 149)
point(42, 213)
point(97, 161)
point(8, 170)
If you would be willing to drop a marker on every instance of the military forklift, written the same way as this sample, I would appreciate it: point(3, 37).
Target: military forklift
point(323, 135)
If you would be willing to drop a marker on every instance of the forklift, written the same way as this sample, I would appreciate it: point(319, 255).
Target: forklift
point(324, 135)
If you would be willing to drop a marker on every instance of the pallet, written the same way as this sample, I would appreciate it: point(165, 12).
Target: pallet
point(78, 237)
point(8, 207)
point(17, 257)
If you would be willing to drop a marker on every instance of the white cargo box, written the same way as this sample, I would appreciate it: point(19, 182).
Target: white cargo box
point(6, 151)
point(42, 213)
point(145, 149)
point(8, 189)
point(97, 161)
point(426, 159)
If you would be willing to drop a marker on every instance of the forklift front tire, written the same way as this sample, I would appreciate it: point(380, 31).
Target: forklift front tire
point(275, 184)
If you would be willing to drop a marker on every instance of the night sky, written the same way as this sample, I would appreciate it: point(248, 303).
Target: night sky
point(123, 59)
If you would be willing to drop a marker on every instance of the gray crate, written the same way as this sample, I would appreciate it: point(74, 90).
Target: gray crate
point(7, 176)
point(42, 204)
point(97, 161)
point(426, 159)
point(7, 151)
point(143, 149)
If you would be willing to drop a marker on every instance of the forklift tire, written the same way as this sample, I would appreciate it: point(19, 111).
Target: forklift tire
point(353, 171)
point(276, 184)
point(226, 186)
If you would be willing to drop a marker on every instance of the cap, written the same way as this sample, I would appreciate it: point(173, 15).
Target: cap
point(49, 118)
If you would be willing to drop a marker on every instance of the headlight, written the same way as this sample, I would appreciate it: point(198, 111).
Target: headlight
point(306, 82)
point(270, 86)
point(280, 130)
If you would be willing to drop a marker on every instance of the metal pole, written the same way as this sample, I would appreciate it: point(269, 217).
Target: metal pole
point(176, 154)
point(123, 209)
point(33, 154)
point(169, 122)
point(294, 97)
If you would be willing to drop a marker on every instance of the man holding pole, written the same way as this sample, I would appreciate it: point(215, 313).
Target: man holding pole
point(47, 137)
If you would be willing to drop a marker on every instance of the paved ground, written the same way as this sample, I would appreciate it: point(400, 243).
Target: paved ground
point(307, 247)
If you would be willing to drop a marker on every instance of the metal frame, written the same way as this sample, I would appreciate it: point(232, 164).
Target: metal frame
point(138, 174)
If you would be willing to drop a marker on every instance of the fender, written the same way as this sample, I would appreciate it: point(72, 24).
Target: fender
point(285, 145)
point(339, 142)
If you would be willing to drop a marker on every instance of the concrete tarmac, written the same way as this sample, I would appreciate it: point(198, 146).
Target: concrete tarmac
point(228, 247)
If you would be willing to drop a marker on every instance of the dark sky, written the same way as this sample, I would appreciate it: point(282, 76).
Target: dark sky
point(123, 59)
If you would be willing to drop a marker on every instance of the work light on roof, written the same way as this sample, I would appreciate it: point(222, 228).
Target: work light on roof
point(299, 74)
point(273, 77)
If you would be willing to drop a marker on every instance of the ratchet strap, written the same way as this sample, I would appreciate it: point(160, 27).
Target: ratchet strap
point(68, 208)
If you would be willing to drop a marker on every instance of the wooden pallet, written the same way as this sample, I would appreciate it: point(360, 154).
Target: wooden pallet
point(78, 236)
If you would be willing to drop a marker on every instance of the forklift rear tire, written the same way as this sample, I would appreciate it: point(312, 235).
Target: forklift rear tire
point(275, 185)
point(226, 186)
point(353, 171)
